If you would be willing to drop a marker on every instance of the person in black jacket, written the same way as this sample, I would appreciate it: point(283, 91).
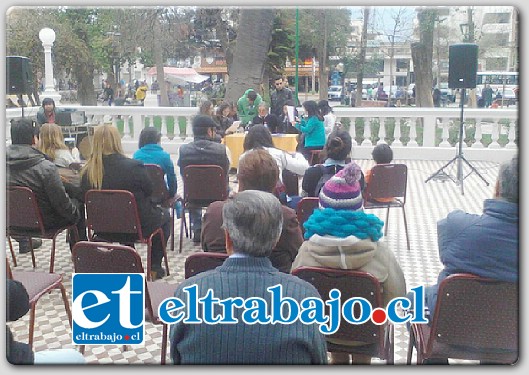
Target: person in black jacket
point(109, 168)
point(203, 150)
point(28, 167)
point(267, 119)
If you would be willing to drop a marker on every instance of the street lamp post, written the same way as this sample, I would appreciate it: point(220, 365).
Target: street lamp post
point(47, 37)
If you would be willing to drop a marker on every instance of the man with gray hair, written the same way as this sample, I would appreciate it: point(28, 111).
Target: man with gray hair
point(252, 221)
point(485, 245)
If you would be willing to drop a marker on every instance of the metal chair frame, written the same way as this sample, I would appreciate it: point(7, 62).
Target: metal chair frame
point(388, 180)
point(475, 318)
point(115, 212)
point(24, 219)
point(203, 185)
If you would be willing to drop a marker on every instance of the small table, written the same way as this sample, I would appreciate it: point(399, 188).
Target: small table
point(234, 142)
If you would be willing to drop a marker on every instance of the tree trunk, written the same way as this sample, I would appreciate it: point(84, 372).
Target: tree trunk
point(84, 74)
point(158, 60)
point(423, 75)
point(250, 54)
point(422, 56)
point(362, 60)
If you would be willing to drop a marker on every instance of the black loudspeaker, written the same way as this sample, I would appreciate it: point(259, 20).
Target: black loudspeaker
point(463, 65)
point(19, 75)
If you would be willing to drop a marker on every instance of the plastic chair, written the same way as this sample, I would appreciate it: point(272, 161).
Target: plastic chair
point(388, 181)
point(203, 185)
point(305, 208)
point(378, 339)
point(161, 196)
point(38, 284)
point(24, 219)
point(474, 319)
point(112, 215)
point(203, 261)
point(102, 257)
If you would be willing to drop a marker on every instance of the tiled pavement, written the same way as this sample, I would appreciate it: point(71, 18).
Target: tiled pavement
point(426, 204)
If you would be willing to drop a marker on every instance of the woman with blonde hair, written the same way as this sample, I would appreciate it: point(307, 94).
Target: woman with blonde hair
point(108, 168)
point(51, 143)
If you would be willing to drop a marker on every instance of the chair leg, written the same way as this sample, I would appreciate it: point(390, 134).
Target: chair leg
point(164, 248)
point(387, 221)
point(52, 259)
point(182, 221)
point(164, 344)
point(33, 261)
point(66, 304)
point(149, 262)
point(32, 323)
point(411, 342)
point(12, 251)
point(173, 212)
point(390, 345)
point(406, 227)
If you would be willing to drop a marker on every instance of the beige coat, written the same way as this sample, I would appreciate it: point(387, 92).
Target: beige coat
point(354, 254)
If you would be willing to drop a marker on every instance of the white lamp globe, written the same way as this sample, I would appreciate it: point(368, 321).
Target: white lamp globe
point(47, 35)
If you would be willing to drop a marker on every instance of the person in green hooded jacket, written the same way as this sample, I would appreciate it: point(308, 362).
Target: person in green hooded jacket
point(247, 106)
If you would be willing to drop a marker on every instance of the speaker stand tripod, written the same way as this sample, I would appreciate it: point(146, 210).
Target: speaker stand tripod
point(459, 158)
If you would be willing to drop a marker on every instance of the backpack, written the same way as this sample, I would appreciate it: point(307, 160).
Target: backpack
point(326, 173)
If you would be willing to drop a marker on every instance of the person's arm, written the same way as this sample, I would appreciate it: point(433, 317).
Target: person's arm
point(295, 163)
point(309, 125)
point(171, 176)
point(57, 196)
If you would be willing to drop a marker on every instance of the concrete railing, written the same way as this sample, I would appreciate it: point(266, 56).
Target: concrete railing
point(413, 133)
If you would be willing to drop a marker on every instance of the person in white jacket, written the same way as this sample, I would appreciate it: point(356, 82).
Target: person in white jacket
point(329, 118)
point(341, 235)
point(260, 137)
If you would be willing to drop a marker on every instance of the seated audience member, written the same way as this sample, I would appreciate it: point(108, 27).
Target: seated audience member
point(382, 154)
point(312, 129)
point(51, 143)
point(257, 171)
point(260, 137)
point(485, 245)
point(202, 151)
point(20, 353)
point(247, 106)
point(150, 151)
point(341, 235)
point(336, 154)
point(267, 119)
point(46, 114)
point(109, 168)
point(329, 118)
point(253, 222)
point(222, 118)
point(29, 167)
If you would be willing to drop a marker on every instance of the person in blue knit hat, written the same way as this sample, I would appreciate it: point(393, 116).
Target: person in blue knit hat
point(341, 235)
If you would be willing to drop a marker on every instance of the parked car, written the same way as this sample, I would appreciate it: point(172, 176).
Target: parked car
point(334, 93)
point(509, 96)
point(447, 95)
